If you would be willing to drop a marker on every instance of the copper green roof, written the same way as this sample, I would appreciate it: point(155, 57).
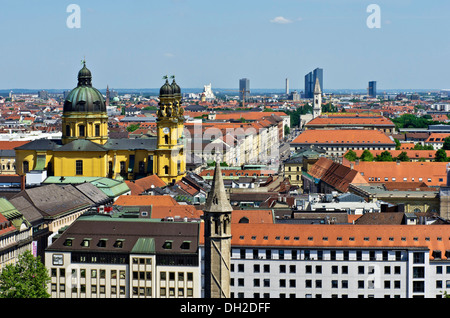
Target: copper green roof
point(84, 97)
point(144, 245)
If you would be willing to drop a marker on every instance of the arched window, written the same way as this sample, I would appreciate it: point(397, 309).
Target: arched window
point(166, 169)
point(26, 166)
point(97, 130)
point(67, 130)
point(166, 139)
point(81, 130)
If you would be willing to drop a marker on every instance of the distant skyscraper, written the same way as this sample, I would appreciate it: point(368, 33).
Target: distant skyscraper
point(43, 94)
point(244, 88)
point(310, 80)
point(287, 86)
point(372, 90)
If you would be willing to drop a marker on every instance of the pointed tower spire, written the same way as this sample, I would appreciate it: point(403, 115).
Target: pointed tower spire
point(317, 89)
point(217, 200)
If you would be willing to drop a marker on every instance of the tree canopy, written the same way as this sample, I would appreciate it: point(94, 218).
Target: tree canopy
point(28, 278)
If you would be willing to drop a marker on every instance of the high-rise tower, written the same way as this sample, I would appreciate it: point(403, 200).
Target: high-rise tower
point(217, 218)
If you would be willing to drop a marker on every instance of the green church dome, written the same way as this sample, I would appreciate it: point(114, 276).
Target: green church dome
point(175, 88)
point(166, 89)
point(84, 97)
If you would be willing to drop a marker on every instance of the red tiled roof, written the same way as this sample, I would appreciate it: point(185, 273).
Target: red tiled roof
point(9, 145)
point(253, 216)
point(433, 237)
point(364, 120)
point(437, 137)
point(343, 136)
point(145, 200)
point(431, 173)
point(181, 211)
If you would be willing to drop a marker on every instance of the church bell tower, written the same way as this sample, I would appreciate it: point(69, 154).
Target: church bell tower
point(170, 156)
point(217, 218)
point(317, 107)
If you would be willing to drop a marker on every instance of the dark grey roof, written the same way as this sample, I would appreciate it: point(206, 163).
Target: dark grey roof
point(93, 193)
point(131, 144)
point(52, 200)
point(28, 210)
point(81, 145)
point(131, 231)
point(40, 144)
point(7, 152)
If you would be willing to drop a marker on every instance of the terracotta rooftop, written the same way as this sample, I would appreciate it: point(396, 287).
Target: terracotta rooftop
point(336, 175)
point(432, 237)
point(361, 120)
point(431, 173)
point(145, 200)
point(343, 136)
point(437, 137)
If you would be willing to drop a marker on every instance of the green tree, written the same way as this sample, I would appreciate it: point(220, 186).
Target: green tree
point(133, 127)
point(397, 144)
point(366, 156)
point(287, 130)
point(384, 156)
point(351, 155)
point(440, 156)
point(419, 146)
point(28, 278)
point(403, 156)
point(446, 145)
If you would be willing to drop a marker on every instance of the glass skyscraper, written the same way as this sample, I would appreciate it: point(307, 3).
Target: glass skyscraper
point(244, 88)
point(310, 80)
point(372, 89)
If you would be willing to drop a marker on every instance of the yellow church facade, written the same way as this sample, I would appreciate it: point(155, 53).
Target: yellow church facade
point(86, 151)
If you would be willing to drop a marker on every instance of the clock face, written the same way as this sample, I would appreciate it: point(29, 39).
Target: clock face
point(58, 259)
point(166, 130)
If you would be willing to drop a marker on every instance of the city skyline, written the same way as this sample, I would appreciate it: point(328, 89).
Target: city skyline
point(133, 44)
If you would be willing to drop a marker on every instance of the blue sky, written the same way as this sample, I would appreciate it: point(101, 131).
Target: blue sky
point(132, 44)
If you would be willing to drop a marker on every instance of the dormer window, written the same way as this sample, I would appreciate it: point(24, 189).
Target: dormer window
point(86, 242)
point(167, 245)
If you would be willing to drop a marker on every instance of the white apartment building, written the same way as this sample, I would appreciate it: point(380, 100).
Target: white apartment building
point(340, 261)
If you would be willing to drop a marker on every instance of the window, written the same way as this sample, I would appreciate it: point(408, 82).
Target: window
point(79, 167)
point(167, 245)
point(26, 166)
point(81, 130)
point(67, 130)
point(185, 245)
point(418, 258)
point(97, 130)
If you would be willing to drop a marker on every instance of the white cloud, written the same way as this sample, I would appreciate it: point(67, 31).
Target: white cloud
point(280, 20)
point(169, 54)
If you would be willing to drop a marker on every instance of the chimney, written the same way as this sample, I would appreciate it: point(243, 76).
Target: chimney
point(22, 182)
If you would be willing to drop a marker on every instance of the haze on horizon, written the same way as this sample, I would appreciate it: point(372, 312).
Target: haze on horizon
point(133, 44)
